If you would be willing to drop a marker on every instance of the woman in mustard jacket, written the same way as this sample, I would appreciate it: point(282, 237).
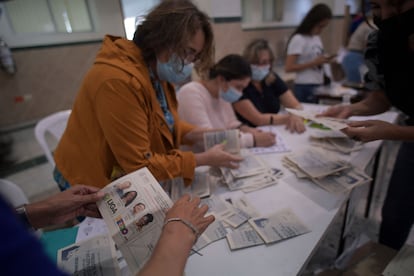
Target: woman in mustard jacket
point(125, 114)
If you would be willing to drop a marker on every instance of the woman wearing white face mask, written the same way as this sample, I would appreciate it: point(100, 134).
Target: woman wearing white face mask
point(125, 115)
point(263, 96)
point(207, 103)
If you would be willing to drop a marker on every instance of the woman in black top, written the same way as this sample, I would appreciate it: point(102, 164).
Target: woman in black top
point(262, 98)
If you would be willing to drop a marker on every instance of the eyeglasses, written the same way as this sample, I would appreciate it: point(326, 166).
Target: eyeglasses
point(190, 55)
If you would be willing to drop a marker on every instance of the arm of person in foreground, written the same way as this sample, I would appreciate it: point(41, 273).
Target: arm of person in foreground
point(173, 248)
point(371, 130)
point(376, 102)
point(80, 200)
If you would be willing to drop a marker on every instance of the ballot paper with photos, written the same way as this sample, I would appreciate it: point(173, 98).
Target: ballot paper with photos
point(329, 122)
point(134, 208)
point(343, 181)
point(199, 187)
point(281, 225)
point(317, 163)
point(91, 257)
point(230, 138)
point(338, 182)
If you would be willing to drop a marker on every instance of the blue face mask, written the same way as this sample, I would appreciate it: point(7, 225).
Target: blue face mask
point(259, 72)
point(231, 95)
point(173, 71)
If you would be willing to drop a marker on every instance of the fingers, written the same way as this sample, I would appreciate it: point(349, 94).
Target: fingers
point(361, 123)
point(83, 189)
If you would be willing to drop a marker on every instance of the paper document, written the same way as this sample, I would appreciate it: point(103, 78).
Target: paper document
point(230, 137)
point(332, 123)
point(91, 257)
point(199, 187)
point(134, 208)
point(278, 147)
point(279, 226)
point(244, 236)
point(317, 163)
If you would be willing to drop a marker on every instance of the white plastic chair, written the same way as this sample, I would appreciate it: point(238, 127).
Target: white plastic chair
point(12, 193)
point(55, 124)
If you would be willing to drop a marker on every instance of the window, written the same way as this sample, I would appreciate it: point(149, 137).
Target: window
point(46, 16)
point(134, 12)
point(285, 13)
point(28, 23)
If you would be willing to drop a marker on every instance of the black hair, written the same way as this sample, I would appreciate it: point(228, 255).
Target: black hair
point(317, 14)
point(129, 201)
point(231, 67)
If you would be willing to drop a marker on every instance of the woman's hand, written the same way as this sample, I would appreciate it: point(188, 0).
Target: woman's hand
point(295, 124)
point(80, 200)
point(188, 209)
point(218, 157)
point(264, 139)
point(337, 111)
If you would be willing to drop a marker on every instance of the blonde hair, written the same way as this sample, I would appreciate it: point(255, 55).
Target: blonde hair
point(251, 52)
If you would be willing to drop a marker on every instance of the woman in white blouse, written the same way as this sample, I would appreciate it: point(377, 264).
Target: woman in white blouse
point(208, 103)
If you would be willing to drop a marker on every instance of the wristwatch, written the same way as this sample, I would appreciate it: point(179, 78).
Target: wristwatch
point(21, 213)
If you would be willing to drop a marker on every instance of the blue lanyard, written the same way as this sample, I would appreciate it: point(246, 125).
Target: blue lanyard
point(162, 101)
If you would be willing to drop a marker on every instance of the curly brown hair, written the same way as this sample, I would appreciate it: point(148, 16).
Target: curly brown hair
point(170, 26)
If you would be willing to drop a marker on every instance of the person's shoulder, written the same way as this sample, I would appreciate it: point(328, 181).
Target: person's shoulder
point(190, 88)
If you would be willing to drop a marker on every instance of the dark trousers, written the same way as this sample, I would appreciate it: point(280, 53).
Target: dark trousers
point(304, 93)
point(398, 209)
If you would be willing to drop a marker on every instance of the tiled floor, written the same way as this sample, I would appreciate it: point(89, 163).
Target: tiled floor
point(34, 175)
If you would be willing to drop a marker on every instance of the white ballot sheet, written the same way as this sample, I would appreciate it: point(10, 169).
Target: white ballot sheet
point(230, 137)
point(332, 123)
point(92, 257)
point(199, 187)
point(134, 208)
point(244, 236)
point(278, 226)
point(250, 165)
point(278, 147)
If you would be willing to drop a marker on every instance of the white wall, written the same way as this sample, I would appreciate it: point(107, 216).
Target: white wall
point(107, 18)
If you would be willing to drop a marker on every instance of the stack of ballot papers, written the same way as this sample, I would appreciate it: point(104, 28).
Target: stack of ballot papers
point(325, 169)
point(334, 140)
point(329, 122)
point(251, 175)
point(239, 222)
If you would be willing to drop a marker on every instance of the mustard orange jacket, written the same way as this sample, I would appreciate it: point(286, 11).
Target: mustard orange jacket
point(117, 121)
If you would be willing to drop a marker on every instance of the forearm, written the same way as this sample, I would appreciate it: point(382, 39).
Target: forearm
point(38, 214)
point(197, 135)
point(402, 133)
point(171, 252)
point(297, 67)
point(375, 103)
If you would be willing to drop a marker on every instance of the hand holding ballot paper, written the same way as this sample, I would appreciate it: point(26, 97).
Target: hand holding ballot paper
point(157, 231)
point(330, 122)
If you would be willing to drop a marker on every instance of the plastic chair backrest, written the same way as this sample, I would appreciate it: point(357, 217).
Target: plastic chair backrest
point(55, 124)
point(12, 193)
